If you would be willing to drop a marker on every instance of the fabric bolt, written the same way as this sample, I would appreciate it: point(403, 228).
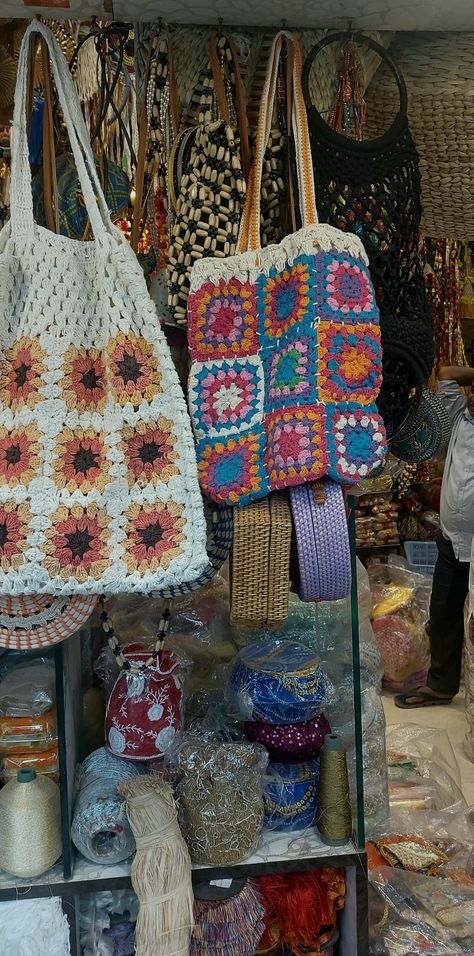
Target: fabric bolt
point(279, 682)
point(289, 742)
point(98, 478)
point(100, 829)
point(285, 344)
point(323, 569)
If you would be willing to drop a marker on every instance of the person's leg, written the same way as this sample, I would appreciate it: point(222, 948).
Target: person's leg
point(446, 623)
point(446, 630)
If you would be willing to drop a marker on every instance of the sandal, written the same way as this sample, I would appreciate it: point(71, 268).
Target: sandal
point(421, 699)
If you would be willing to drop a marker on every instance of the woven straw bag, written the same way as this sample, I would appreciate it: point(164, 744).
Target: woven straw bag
point(260, 563)
point(439, 73)
point(212, 186)
point(98, 485)
point(285, 344)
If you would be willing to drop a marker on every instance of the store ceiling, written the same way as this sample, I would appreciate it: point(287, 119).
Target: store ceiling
point(364, 14)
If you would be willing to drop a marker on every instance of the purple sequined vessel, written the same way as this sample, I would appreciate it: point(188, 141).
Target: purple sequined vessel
point(290, 742)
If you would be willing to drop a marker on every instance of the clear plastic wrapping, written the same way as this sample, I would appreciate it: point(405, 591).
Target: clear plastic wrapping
point(291, 795)
point(28, 689)
point(44, 762)
point(279, 682)
point(28, 734)
point(469, 680)
point(100, 828)
point(219, 787)
point(423, 771)
point(400, 611)
point(107, 922)
point(421, 914)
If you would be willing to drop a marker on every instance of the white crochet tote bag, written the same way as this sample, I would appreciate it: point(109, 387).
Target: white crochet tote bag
point(98, 480)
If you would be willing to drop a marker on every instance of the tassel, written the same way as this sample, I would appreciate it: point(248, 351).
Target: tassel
point(161, 869)
point(300, 904)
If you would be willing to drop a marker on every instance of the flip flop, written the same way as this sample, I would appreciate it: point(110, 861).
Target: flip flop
point(424, 700)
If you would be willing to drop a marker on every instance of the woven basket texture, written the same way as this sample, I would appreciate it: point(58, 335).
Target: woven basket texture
point(439, 72)
point(260, 563)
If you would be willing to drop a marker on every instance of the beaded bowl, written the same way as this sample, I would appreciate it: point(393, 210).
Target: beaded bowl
point(291, 798)
point(279, 682)
point(290, 742)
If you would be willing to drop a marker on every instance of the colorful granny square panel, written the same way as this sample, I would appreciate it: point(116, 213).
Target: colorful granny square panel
point(226, 395)
point(222, 320)
point(296, 446)
point(285, 300)
point(232, 470)
point(286, 369)
point(290, 371)
point(356, 442)
point(349, 362)
point(343, 289)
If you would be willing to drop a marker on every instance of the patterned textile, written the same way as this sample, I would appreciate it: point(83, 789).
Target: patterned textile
point(98, 479)
point(285, 349)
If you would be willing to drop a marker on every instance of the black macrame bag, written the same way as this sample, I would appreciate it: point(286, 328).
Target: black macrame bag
point(372, 188)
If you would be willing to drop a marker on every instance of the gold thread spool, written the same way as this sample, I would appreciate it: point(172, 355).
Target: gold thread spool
point(334, 816)
point(30, 825)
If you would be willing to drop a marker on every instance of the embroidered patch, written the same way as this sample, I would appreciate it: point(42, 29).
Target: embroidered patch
point(296, 449)
point(149, 450)
point(290, 372)
point(349, 362)
point(344, 289)
point(155, 534)
point(356, 440)
point(134, 369)
point(226, 395)
point(284, 299)
point(231, 470)
point(76, 543)
point(14, 519)
point(80, 460)
point(19, 455)
point(222, 320)
point(21, 374)
point(83, 383)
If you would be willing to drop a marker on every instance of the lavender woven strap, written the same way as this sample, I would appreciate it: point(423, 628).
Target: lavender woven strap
point(322, 541)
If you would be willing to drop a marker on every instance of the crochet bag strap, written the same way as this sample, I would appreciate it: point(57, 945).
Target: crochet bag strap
point(21, 198)
point(221, 96)
point(364, 41)
point(50, 179)
point(250, 230)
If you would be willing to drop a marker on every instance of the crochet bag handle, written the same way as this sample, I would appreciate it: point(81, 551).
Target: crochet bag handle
point(363, 41)
point(249, 239)
point(21, 199)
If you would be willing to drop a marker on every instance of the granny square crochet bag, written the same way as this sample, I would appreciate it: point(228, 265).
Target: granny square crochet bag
point(285, 344)
point(98, 481)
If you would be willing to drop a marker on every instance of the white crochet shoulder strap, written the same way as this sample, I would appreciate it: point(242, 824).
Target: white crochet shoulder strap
point(21, 200)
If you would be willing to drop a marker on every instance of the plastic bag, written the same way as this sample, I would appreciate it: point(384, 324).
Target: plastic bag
point(28, 689)
point(423, 771)
point(46, 762)
point(400, 609)
point(219, 788)
point(426, 915)
point(28, 734)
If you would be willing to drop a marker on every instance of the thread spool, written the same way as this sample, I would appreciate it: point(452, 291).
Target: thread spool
point(30, 824)
point(334, 815)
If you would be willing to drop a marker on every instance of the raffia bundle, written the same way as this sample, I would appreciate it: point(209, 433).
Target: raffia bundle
point(161, 869)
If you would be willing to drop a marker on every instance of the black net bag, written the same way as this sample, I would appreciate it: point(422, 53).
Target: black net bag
point(372, 188)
